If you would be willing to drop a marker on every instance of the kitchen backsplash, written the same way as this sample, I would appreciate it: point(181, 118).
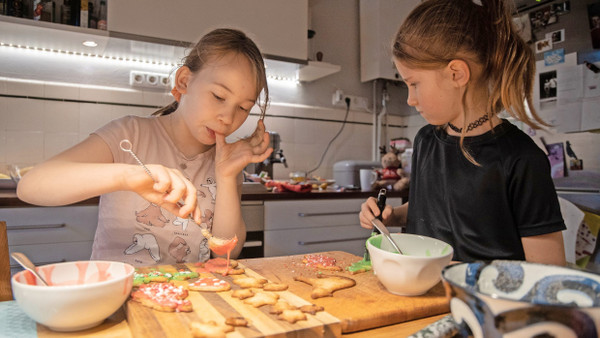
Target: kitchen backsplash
point(40, 119)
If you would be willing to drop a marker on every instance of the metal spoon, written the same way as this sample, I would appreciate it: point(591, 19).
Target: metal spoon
point(386, 233)
point(27, 264)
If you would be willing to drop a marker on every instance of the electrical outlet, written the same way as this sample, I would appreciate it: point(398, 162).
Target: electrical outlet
point(356, 102)
point(149, 80)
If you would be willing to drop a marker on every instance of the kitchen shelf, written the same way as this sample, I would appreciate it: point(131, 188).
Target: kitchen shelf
point(315, 70)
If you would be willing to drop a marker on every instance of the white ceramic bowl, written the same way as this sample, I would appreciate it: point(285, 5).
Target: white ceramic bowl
point(519, 299)
point(82, 294)
point(414, 272)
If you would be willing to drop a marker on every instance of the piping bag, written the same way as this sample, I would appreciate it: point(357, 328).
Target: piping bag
point(365, 264)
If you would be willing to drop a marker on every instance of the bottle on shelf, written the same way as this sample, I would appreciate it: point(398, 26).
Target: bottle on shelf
point(65, 12)
point(83, 13)
point(75, 9)
point(102, 24)
point(92, 18)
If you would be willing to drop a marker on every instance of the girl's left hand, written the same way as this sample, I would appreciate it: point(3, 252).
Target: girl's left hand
point(231, 158)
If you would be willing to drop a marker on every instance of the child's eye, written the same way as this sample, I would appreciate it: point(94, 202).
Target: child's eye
point(244, 109)
point(218, 97)
point(412, 84)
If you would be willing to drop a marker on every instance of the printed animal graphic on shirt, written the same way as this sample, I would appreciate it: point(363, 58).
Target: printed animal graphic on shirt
point(144, 241)
point(151, 216)
point(211, 184)
point(204, 253)
point(207, 218)
point(178, 249)
point(181, 221)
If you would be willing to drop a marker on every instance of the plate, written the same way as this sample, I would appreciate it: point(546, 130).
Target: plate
point(7, 183)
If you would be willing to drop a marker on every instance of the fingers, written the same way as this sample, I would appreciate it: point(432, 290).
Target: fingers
point(368, 211)
point(174, 187)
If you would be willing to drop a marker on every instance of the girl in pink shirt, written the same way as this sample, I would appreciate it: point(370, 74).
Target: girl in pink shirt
point(197, 172)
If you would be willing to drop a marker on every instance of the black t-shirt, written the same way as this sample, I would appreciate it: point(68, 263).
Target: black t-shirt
point(481, 211)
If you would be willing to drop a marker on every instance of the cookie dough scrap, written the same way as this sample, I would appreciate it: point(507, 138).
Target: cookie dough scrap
point(325, 286)
point(236, 321)
point(262, 298)
point(320, 261)
point(270, 286)
point(312, 309)
point(242, 293)
point(281, 306)
point(292, 316)
point(250, 282)
point(211, 329)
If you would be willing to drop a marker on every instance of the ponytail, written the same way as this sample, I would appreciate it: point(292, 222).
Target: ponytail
point(510, 68)
point(166, 110)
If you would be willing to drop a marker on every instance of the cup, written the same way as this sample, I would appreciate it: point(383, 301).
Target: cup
point(367, 178)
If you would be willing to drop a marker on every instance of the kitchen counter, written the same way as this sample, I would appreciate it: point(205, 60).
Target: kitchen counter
point(582, 188)
point(8, 198)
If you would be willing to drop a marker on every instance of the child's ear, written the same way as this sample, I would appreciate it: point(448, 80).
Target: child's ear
point(182, 78)
point(460, 72)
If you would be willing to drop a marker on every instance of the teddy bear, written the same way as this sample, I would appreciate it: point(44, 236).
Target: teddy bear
point(391, 177)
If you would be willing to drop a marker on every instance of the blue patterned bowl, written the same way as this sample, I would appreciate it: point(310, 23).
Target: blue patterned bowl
point(520, 299)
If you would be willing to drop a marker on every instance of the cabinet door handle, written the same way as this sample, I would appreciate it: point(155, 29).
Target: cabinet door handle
point(252, 244)
point(333, 241)
point(35, 227)
point(306, 214)
point(12, 266)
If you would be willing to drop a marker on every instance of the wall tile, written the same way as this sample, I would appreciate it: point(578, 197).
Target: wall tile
point(99, 94)
point(61, 91)
point(159, 99)
point(25, 88)
point(2, 85)
point(23, 114)
point(61, 116)
point(93, 116)
point(55, 143)
point(2, 146)
point(24, 147)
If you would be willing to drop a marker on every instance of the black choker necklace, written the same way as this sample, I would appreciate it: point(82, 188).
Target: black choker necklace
point(480, 121)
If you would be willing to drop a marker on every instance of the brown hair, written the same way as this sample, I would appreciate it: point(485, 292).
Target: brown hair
point(217, 43)
point(482, 31)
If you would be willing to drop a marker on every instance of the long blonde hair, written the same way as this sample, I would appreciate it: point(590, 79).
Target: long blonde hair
point(482, 31)
point(220, 42)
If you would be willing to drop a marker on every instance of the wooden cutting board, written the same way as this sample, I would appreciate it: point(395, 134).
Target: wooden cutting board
point(217, 306)
point(364, 306)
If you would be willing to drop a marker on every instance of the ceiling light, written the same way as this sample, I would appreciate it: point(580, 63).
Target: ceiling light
point(90, 43)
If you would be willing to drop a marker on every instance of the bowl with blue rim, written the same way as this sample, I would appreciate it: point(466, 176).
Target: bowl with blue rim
point(505, 298)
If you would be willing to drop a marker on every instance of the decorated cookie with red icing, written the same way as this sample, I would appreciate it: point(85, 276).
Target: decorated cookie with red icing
point(163, 297)
point(321, 262)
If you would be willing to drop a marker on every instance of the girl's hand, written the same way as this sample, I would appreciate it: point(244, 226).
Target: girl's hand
point(231, 158)
point(170, 188)
point(370, 210)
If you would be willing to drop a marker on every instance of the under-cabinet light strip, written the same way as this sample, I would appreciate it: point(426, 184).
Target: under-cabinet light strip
point(92, 55)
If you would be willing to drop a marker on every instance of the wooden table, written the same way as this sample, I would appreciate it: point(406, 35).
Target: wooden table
point(116, 326)
point(374, 316)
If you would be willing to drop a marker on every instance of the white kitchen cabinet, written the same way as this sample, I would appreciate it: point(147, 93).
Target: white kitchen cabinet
point(315, 225)
point(279, 27)
point(50, 234)
point(379, 22)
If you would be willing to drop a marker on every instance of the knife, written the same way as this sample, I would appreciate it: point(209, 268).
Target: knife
point(379, 225)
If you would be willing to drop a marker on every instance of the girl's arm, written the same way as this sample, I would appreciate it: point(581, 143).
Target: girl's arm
point(87, 170)
point(230, 159)
point(546, 249)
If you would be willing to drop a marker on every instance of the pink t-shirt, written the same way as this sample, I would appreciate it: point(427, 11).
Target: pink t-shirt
point(131, 229)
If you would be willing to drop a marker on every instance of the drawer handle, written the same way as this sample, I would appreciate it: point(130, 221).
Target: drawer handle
point(333, 241)
point(252, 244)
point(12, 266)
point(306, 214)
point(36, 227)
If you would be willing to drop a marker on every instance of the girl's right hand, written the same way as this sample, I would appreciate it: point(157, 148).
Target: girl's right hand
point(370, 210)
point(167, 191)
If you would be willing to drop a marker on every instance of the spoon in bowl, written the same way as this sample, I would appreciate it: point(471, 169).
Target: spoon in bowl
point(28, 265)
point(386, 233)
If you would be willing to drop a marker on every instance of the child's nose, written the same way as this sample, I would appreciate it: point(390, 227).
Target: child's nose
point(226, 115)
point(411, 101)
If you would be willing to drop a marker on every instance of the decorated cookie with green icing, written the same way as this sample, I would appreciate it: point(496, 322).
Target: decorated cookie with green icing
point(152, 276)
point(184, 275)
point(360, 266)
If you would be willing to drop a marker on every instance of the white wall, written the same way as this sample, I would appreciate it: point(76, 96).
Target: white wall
point(39, 119)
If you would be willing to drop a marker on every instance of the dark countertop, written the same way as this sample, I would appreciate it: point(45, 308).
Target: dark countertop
point(582, 188)
point(8, 198)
